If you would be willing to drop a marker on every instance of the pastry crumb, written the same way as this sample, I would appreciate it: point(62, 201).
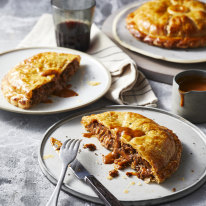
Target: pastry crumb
point(147, 180)
point(91, 147)
point(124, 177)
point(139, 184)
point(48, 156)
point(114, 173)
point(88, 135)
point(174, 189)
point(182, 178)
point(126, 191)
point(93, 83)
point(109, 177)
point(192, 170)
point(116, 167)
point(132, 183)
point(129, 174)
point(55, 143)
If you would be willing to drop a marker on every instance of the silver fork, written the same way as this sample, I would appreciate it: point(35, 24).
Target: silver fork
point(68, 153)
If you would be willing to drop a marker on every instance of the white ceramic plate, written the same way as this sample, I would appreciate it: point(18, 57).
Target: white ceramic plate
point(90, 70)
point(124, 38)
point(189, 176)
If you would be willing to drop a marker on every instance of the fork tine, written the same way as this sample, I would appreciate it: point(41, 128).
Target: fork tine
point(77, 143)
point(64, 144)
point(73, 143)
point(69, 143)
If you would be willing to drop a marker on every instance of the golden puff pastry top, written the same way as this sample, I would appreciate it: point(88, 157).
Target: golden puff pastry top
point(156, 144)
point(34, 72)
point(170, 23)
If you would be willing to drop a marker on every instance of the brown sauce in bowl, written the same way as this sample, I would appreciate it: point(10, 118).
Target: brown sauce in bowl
point(191, 83)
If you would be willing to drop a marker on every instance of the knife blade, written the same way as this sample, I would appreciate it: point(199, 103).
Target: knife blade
point(81, 173)
point(78, 169)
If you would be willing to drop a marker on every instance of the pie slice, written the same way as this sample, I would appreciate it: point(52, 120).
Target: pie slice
point(137, 141)
point(34, 79)
point(169, 24)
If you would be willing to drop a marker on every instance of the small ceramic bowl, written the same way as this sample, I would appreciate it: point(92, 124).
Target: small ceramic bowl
point(189, 104)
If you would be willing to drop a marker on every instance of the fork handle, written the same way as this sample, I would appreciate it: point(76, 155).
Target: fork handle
point(108, 198)
point(54, 198)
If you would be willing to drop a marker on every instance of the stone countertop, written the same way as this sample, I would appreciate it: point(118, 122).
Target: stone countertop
point(21, 180)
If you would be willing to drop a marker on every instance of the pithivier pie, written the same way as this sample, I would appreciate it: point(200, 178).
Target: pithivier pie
point(34, 79)
point(170, 23)
point(152, 150)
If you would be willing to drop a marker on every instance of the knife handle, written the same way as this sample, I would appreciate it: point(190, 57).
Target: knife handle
point(108, 198)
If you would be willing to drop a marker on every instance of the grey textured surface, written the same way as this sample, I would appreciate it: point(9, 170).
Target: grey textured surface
point(21, 181)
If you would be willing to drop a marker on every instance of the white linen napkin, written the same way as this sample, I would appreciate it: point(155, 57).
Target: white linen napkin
point(129, 85)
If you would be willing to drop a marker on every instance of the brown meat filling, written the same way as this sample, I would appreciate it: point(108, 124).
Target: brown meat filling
point(91, 147)
point(58, 83)
point(123, 155)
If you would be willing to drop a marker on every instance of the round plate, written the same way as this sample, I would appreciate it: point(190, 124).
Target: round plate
point(90, 70)
point(190, 175)
point(123, 37)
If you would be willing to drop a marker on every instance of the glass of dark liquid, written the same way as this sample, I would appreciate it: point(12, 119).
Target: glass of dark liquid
point(72, 20)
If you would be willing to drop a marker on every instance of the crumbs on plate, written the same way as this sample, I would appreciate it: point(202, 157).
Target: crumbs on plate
point(55, 143)
point(91, 147)
point(182, 178)
point(114, 173)
point(93, 83)
point(126, 191)
point(132, 183)
point(48, 156)
point(147, 180)
point(109, 177)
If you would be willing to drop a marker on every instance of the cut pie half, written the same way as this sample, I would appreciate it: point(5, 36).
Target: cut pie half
point(137, 141)
point(34, 79)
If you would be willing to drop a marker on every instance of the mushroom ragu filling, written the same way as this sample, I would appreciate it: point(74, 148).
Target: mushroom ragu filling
point(122, 155)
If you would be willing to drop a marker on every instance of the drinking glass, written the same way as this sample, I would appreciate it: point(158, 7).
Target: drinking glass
point(72, 20)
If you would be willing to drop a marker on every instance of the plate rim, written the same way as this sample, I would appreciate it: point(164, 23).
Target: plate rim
point(22, 111)
point(141, 51)
point(172, 197)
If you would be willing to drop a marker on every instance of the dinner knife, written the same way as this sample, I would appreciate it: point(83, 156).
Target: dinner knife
point(104, 194)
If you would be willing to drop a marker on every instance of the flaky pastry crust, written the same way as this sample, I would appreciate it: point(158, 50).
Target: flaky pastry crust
point(156, 144)
point(170, 23)
point(42, 73)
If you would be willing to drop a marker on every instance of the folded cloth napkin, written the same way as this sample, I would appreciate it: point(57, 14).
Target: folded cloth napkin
point(129, 85)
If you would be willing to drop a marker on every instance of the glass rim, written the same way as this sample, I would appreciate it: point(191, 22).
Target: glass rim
point(57, 7)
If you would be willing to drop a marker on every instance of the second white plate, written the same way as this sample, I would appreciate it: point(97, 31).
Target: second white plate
point(90, 70)
point(189, 176)
point(124, 38)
